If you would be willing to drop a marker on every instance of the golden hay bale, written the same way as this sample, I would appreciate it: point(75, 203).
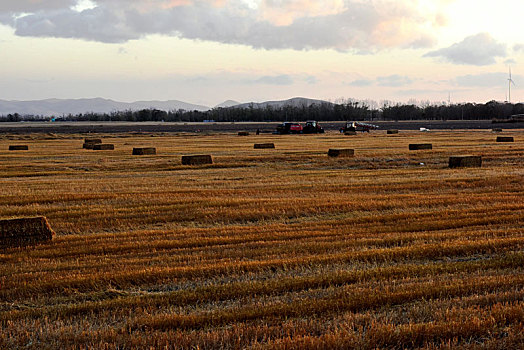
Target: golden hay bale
point(341, 152)
point(505, 139)
point(92, 140)
point(417, 146)
point(465, 161)
point(103, 147)
point(243, 133)
point(350, 133)
point(25, 231)
point(496, 130)
point(263, 145)
point(392, 131)
point(18, 147)
point(197, 160)
point(88, 145)
point(140, 151)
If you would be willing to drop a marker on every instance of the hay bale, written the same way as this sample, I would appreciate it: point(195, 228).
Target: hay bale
point(88, 145)
point(350, 133)
point(465, 161)
point(18, 147)
point(25, 231)
point(496, 130)
point(243, 133)
point(140, 151)
point(418, 146)
point(341, 152)
point(92, 140)
point(505, 139)
point(103, 147)
point(264, 145)
point(197, 160)
point(392, 131)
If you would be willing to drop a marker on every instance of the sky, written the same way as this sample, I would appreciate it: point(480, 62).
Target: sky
point(209, 51)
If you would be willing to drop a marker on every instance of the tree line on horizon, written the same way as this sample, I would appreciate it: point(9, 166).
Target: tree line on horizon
point(319, 112)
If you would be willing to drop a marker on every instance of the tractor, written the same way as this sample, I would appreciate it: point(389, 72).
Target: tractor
point(312, 127)
point(359, 126)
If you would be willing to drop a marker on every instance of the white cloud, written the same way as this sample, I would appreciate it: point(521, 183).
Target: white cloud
point(283, 79)
point(361, 82)
point(296, 24)
point(18, 6)
point(394, 80)
point(479, 50)
point(518, 48)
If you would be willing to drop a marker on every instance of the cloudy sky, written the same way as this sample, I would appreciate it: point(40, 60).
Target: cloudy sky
point(208, 51)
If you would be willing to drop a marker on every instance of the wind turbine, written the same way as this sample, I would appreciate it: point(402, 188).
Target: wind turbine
point(510, 81)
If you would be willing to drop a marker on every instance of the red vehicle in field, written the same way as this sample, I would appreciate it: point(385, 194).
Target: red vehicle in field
point(312, 127)
point(289, 128)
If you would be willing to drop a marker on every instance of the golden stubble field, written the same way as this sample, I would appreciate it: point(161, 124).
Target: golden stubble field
point(276, 249)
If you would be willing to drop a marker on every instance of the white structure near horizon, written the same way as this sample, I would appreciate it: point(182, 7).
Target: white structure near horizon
point(510, 81)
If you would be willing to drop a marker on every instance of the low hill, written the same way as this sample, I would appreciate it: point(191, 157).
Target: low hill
point(58, 107)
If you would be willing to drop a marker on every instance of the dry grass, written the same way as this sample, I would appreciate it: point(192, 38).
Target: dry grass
point(284, 249)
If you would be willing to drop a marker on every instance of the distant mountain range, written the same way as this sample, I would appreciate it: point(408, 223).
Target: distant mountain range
point(59, 107)
point(292, 102)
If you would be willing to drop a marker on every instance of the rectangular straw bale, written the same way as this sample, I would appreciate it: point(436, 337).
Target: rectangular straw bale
point(103, 146)
point(465, 161)
point(92, 140)
point(341, 152)
point(264, 145)
point(197, 160)
point(350, 133)
point(25, 231)
point(140, 151)
point(18, 147)
point(505, 139)
point(496, 130)
point(392, 131)
point(243, 133)
point(418, 146)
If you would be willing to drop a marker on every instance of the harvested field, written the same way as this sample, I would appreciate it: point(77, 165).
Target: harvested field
point(287, 249)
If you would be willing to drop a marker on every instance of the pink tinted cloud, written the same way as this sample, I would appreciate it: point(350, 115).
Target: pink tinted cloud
point(282, 12)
